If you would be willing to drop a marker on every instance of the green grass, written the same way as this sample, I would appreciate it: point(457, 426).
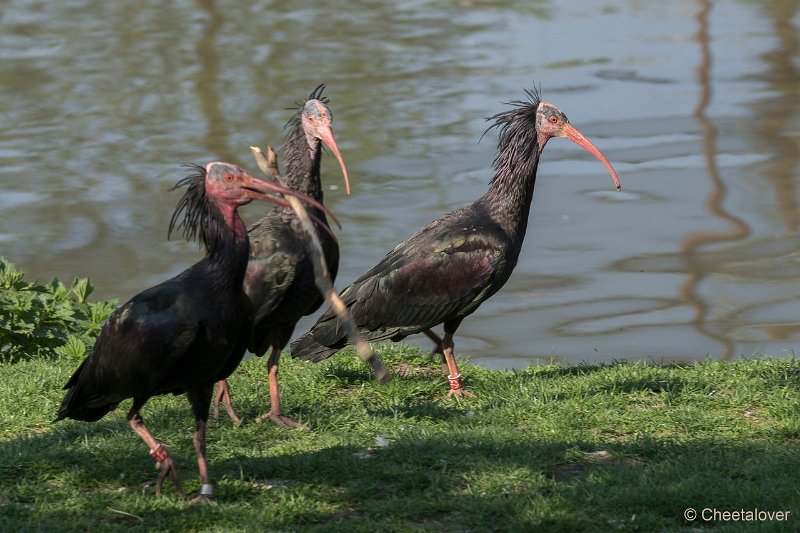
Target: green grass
point(622, 447)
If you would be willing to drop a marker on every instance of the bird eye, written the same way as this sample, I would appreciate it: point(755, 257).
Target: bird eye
point(228, 178)
point(553, 119)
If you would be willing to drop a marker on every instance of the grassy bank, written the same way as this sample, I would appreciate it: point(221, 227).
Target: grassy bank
point(620, 447)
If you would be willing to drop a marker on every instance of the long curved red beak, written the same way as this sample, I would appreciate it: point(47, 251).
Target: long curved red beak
point(570, 132)
point(259, 189)
point(326, 136)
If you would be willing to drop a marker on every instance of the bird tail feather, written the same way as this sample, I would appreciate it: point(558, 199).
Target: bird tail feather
point(309, 348)
point(79, 406)
point(86, 411)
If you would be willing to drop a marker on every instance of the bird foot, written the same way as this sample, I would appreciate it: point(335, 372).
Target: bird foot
point(223, 395)
point(456, 388)
point(167, 468)
point(280, 420)
point(206, 494)
point(235, 419)
point(204, 499)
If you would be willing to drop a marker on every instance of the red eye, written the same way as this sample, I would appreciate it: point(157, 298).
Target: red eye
point(553, 119)
point(229, 177)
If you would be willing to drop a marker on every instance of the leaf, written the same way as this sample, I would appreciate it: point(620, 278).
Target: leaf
point(82, 288)
point(74, 348)
point(50, 320)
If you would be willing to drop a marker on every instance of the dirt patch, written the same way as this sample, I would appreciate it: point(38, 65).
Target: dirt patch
point(598, 458)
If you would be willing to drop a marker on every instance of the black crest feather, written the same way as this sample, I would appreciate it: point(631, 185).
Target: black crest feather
point(316, 94)
point(517, 130)
point(195, 214)
point(520, 109)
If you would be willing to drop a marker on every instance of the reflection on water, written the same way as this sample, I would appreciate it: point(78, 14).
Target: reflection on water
point(692, 245)
point(697, 106)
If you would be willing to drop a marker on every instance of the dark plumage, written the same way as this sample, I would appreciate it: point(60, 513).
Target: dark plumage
point(184, 334)
point(443, 272)
point(280, 274)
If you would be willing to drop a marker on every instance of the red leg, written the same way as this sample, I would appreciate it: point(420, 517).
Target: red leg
point(224, 394)
point(200, 398)
point(438, 348)
point(157, 451)
point(275, 413)
point(454, 376)
point(206, 490)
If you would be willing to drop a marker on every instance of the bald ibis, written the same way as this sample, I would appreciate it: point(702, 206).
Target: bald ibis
point(184, 334)
point(280, 274)
point(443, 272)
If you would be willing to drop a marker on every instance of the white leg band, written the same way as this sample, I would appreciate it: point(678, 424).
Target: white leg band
point(207, 490)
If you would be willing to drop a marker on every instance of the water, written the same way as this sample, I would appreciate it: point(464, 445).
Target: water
point(697, 105)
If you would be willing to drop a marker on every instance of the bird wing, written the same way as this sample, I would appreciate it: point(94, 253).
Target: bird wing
point(140, 343)
point(424, 291)
point(280, 273)
point(444, 271)
point(269, 276)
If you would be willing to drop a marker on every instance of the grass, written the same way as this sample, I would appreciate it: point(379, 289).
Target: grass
point(622, 447)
